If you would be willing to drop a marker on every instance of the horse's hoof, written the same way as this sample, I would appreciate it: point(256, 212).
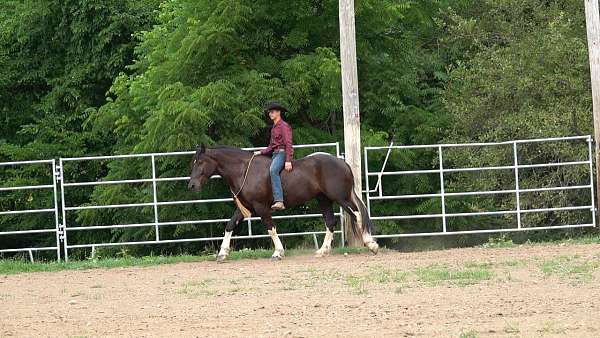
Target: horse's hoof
point(373, 247)
point(221, 258)
point(277, 255)
point(321, 253)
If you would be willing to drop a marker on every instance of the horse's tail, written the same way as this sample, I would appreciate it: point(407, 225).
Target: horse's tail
point(367, 224)
point(362, 226)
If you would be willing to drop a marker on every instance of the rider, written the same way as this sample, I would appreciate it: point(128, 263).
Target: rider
point(281, 147)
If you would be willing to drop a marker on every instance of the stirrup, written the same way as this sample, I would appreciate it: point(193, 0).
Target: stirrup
point(278, 206)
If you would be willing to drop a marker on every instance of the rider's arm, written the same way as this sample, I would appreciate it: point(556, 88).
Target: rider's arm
point(287, 139)
point(268, 150)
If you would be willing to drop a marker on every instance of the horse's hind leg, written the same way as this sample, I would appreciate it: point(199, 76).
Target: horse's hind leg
point(356, 215)
point(326, 206)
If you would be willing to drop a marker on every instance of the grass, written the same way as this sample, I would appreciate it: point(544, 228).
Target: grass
point(505, 241)
point(378, 275)
point(468, 334)
point(196, 288)
point(357, 284)
point(588, 239)
point(381, 275)
point(9, 267)
point(478, 265)
point(437, 274)
point(553, 328)
point(573, 267)
point(511, 328)
point(499, 242)
point(12, 266)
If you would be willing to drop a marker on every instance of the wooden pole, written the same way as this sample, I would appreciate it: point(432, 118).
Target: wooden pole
point(592, 19)
point(351, 106)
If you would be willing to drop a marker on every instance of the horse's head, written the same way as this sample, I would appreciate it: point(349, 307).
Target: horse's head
point(203, 167)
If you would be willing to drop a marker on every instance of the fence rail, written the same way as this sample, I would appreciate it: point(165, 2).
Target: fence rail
point(60, 228)
point(155, 203)
point(377, 194)
point(54, 210)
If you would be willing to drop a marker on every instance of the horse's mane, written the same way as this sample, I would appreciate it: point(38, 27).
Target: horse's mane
point(229, 148)
point(201, 150)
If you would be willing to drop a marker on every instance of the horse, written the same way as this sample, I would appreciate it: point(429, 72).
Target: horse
point(320, 175)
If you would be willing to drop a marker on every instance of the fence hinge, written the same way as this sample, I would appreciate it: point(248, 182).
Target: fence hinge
point(58, 173)
point(61, 232)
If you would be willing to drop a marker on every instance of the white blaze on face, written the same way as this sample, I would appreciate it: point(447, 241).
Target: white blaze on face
point(225, 245)
point(276, 242)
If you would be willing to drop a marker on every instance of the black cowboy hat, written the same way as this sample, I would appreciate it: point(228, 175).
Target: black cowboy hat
point(275, 105)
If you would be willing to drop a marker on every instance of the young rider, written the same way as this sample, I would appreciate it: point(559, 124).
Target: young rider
point(280, 146)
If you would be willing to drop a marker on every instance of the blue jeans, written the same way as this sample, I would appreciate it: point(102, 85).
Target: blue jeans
point(276, 166)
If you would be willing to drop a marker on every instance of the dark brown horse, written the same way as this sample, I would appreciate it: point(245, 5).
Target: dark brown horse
point(321, 176)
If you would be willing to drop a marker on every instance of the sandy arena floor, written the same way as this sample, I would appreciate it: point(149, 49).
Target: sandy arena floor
point(528, 291)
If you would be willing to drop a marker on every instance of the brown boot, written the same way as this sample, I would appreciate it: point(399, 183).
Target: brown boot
point(278, 206)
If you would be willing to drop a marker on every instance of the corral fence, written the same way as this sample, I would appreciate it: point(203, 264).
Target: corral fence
point(64, 181)
point(156, 179)
point(50, 227)
point(516, 168)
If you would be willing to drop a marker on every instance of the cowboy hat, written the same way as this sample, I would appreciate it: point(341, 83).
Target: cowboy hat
point(275, 105)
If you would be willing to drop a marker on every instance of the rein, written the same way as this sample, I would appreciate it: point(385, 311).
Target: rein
point(245, 176)
point(239, 204)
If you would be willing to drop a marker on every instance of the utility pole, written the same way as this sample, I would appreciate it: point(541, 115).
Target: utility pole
point(592, 19)
point(351, 107)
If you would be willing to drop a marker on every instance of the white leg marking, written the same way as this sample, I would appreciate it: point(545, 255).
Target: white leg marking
point(224, 252)
point(326, 247)
point(367, 238)
point(278, 254)
point(370, 243)
point(358, 220)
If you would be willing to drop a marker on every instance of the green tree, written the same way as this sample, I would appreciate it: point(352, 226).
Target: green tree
point(204, 71)
point(57, 60)
point(524, 75)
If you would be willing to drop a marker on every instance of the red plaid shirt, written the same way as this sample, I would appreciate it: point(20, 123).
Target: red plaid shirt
point(281, 138)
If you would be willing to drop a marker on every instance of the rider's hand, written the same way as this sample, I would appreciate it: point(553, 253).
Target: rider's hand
point(257, 152)
point(288, 166)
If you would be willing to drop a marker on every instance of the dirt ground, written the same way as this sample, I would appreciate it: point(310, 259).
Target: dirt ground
point(526, 291)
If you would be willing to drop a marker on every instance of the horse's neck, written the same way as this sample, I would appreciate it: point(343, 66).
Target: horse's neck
point(231, 168)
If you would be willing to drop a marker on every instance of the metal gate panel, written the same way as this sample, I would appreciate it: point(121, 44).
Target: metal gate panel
point(376, 194)
point(155, 204)
point(50, 229)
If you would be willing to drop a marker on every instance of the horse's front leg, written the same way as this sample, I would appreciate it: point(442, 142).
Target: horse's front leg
point(268, 222)
point(225, 246)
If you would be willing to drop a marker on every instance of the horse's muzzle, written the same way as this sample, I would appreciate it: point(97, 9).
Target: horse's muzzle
point(194, 185)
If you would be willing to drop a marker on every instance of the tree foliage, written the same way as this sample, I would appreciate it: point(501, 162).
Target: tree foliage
point(524, 74)
point(117, 77)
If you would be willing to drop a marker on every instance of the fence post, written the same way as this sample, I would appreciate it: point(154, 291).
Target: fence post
point(367, 186)
point(590, 159)
point(55, 177)
point(518, 202)
point(342, 222)
point(63, 226)
point(155, 200)
point(441, 158)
